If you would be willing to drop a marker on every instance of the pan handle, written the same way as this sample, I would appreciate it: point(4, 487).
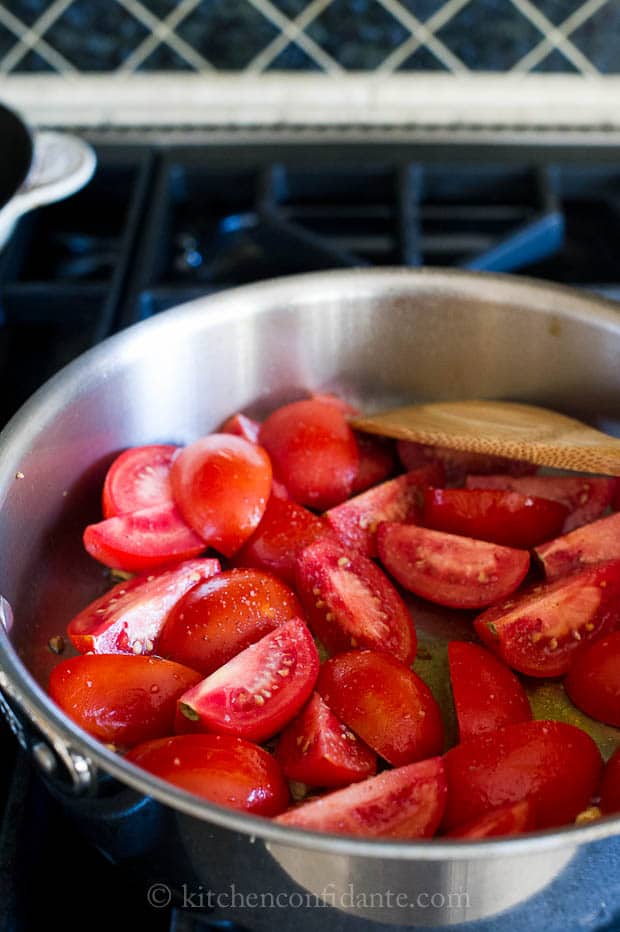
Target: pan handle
point(61, 165)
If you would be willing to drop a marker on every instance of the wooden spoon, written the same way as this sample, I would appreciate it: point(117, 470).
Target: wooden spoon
point(501, 428)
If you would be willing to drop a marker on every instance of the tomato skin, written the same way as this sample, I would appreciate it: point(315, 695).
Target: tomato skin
point(242, 426)
point(121, 699)
point(448, 569)
point(487, 695)
point(286, 528)
point(221, 484)
point(222, 616)
point(313, 451)
point(593, 681)
point(138, 478)
point(129, 617)
point(143, 540)
point(261, 689)
point(404, 803)
point(592, 543)
point(513, 819)
point(350, 602)
point(533, 632)
point(458, 463)
point(610, 784)
point(376, 461)
point(225, 770)
point(499, 516)
point(317, 749)
point(586, 497)
point(385, 703)
point(554, 765)
point(356, 520)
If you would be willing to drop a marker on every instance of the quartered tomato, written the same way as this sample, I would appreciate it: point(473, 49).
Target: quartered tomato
point(404, 803)
point(313, 451)
point(223, 615)
point(513, 819)
point(242, 426)
point(487, 695)
point(119, 699)
point(221, 484)
point(356, 521)
point(448, 569)
point(143, 540)
point(586, 497)
point(225, 770)
point(350, 602)
point(286, 528)
point(540, 632)
point(610, 784)
point(261, 689)
point(592, 543)
point(498, 516)
point(458, 463)
point(376, 461)
point(129, 617)
point(138, 478)
point(385, 703)
point(593, 681)
point(553, 765)
point(317, 749)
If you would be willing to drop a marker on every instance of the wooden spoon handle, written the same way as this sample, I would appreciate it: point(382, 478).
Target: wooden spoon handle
point(501, 428)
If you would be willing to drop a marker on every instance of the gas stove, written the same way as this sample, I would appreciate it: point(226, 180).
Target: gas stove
point(158, 226)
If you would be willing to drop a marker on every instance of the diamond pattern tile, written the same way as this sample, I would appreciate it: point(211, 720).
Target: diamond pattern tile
point(33, 63)
point(557, 11)
point(7, 41)
point(27, 10)
point(95, 36)
point(163, 58)
point(599, 38)
point(555, 63)
point(487, 36)
point(357, 34)
point(228, 33)
point(421, 60)
point(293, 58)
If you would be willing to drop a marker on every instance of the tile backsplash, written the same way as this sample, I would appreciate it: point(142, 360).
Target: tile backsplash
point(329, 36)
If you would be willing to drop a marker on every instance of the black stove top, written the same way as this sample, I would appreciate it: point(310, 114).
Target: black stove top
point(155, 228)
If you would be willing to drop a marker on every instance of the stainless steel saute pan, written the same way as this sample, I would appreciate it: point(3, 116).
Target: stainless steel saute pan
point(378, 338)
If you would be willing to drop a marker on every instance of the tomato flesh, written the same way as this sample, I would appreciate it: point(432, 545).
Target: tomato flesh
point(540, 632)
point(376, 461)
point(356, 521)
point(129, 617)
point(593, 543)
point(313, 451)
point(593, 681)
point(487, 695)
point(221, 484)
point(223, 615)
point(610, 784)
point(404, 803)
point(119, 699)
point(350, 602)
point(513, 819)
point(554, 765)
point(385, 703)
point(458, 463)
point(317, 749)
point(225, 770)
point(261, 689)
point(449, 569)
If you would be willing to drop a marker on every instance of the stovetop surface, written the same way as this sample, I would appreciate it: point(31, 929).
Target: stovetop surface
point(158, 227)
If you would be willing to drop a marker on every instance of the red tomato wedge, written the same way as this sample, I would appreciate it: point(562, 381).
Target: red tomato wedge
point(554, 765)
point(403, 803)
point(610, 784)
point(350, 602)
point(261, 689)
point(497, 516)
point(313, 451)
point(129, 617)
point(223, 615)
point(593, 681)
point(138, 478)
point(119, 699)
point(585, 497)
point(540, 632)
point(458, 463)
point(592, 543)
point(221, 484)
point(225, 770)
point(385, 703)
point(242, 426)
point(318, 749)
point(448, 569)
point(143, 540)
point(376, 461)
point(487, 695)
point(513, 819)
point(356, 521)
point(286, 528)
